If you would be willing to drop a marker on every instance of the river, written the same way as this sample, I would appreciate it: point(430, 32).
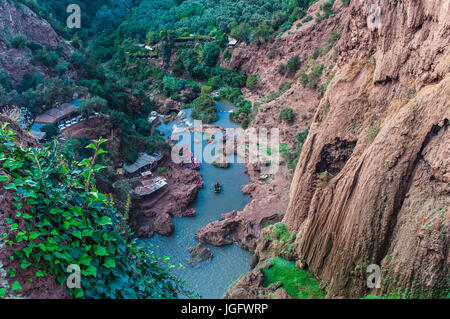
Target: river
point(209, 279)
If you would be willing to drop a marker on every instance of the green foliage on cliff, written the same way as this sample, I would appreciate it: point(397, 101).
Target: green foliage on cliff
point(287, 115)
point(298, 283)
point(311, 80)
point(62, 219)
point(292, 156)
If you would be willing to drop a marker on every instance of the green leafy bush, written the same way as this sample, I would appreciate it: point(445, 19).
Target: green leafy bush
point(312, 79)
point(62, 220)
point(287, 115)
point(252, 82)
point(19, 42)
point(298, 283)
point(47, 58)
point(293, 65)
point(293, 154)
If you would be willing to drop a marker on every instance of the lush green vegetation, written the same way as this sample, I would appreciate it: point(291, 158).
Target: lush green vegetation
point(62, 219)
point(326, 10)
point(280, 233)
point(311, 80)
point(298, 283)
point(254, 20)
point(290, 68)
point(287, 115)
point(204, 109)
point(292, 156)
point(252, 82)
point(98, 17)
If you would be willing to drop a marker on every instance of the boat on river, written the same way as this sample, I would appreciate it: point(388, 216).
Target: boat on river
point(189, 213)
point(217, 188)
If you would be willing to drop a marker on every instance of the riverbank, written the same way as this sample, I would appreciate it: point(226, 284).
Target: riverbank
point(154, 213)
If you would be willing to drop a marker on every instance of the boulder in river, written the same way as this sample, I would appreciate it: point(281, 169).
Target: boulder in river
point(220, 161)
point(164, 225)
point(199, 253)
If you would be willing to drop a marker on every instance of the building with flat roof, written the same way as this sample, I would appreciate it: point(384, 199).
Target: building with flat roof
point(56, 114)
point(150, 186)
point(144, 161)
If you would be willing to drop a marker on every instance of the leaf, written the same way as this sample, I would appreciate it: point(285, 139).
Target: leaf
point(98, 167)
point(41, 273)
point(87, 232)
point(11, 186)
point(85, 259)
point(79, 293)
point(4, 178)
point(12, 272)
point(2, 292)
point(25, 264)
point(77, 234)
point(16, 286)
point(34, 235)
point(109, 262)
point(85, 162)
point(91, 146)
point(105, 220)
point(90, 271)
point(100, 250)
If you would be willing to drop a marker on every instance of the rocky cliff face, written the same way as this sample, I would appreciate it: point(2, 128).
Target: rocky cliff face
point(372, 184)
point(17, 19)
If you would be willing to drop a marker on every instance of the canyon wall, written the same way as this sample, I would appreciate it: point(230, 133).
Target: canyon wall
point(372, 185)
point(17, 19)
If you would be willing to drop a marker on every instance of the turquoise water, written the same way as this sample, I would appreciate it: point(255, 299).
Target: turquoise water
point(210, 279)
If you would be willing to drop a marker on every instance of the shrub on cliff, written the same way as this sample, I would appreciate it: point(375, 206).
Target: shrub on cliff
point(312, 79)
point(287, 115)
point(46, 58)
point(62, 219)
point(19, 42)
point(252, 82)
point(292, 155)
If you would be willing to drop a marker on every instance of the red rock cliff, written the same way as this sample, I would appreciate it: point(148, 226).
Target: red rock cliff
point(373, 182)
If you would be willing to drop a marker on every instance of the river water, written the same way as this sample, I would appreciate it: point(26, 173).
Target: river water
point(209, 279)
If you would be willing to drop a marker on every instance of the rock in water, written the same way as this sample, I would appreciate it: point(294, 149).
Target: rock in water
point(199, 253)
point(164, 225)
point(220, 161)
